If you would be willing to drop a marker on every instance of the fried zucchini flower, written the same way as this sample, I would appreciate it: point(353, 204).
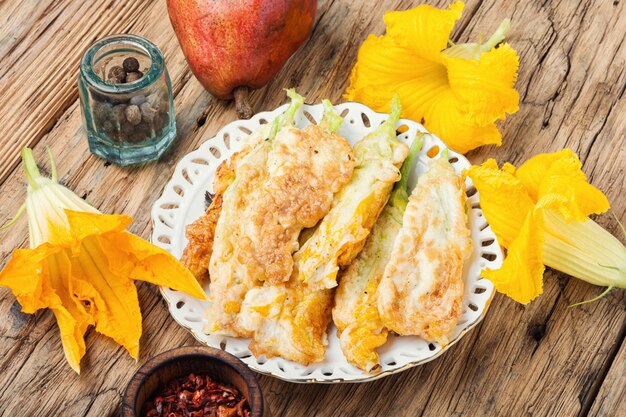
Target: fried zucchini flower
point(342, 233)
point(359, 326)
point(457, 93)
point(81, 264)
point(539, 213)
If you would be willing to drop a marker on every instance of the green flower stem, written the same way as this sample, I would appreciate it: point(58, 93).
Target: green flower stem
point(30, 167)
point(53, 166)
point(46, 201)
point(474, 50)
point(604, 293)
point(498, 36)
point(619, 223)
point(394, 115)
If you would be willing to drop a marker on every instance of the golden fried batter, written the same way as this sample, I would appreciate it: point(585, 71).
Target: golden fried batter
point(288, 320)
point(291, 320)
point(342, 234)
point(201, 233)
point(359, 327)
point(280, 187)
point(304, 171)
point(422, 288)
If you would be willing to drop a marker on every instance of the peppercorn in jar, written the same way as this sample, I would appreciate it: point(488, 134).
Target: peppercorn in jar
point(126, 100)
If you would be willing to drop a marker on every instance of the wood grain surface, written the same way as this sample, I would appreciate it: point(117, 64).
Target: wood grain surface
point(544, 359)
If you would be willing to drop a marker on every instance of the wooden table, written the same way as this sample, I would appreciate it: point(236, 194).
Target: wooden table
point(544, 359)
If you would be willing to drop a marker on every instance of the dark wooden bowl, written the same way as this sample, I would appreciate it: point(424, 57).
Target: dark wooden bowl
point(180, 362)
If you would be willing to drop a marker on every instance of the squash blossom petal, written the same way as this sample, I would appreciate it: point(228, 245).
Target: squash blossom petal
point(81, 264)
point(458, 92)
point(539, 212)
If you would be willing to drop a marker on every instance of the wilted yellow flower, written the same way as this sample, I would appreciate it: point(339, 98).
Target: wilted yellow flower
point(82, 265)
point(539, 213)
point(458, 92)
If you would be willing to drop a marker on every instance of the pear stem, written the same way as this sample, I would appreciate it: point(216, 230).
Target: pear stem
point(244, 111)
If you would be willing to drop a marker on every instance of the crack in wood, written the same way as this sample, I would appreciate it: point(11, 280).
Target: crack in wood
point(317, 23)
point(463, 369)
point(592, 394)
point(467, 19)
point(605, 119)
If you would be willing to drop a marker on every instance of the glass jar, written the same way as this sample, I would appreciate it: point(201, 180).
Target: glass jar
point(126, 122)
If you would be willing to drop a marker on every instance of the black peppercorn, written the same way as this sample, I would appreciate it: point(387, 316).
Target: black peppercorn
point(138, 100)
point(133, 120)
point(118, 113)
point(131, 64)
point(107, 127)
point(133, 76)
point(116, 75)
point(133, 114)
point(148, 112)
point(155, 100)
point(126, 131)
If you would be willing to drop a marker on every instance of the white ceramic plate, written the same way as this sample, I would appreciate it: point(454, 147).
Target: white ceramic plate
point(182, 202)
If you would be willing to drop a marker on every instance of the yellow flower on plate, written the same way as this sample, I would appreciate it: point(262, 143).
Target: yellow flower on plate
point(81, 264)
point(539, 213)
point(458, 92)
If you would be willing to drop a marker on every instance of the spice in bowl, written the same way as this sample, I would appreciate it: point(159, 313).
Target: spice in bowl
point(197, 396)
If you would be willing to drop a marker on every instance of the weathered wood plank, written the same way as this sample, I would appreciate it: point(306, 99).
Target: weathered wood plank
point(39, 63)
point(543, 359)
point(611, 397)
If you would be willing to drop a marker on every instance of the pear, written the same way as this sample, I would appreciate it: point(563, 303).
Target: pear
point(234, 46)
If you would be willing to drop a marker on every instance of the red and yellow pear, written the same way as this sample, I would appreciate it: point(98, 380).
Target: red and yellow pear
point(233, 46)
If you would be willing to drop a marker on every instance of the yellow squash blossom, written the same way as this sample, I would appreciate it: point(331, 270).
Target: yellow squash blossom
point(458, 92)
point(81, 264)
point(539, 213)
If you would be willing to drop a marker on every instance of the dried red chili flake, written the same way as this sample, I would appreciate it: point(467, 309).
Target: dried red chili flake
point(196, 396)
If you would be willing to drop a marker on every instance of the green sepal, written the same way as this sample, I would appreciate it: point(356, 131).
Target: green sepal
point(400, 194)
point(331, 120)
